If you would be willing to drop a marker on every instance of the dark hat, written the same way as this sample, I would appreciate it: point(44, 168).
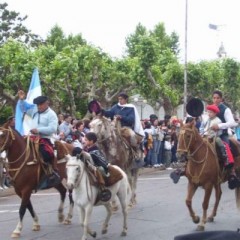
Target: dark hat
point(153, 116)
point(195, 107)
point(123, 95)
point(40, 100)
point(213, 108)
point(94, 106)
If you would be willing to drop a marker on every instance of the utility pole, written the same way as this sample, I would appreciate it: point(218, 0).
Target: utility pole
point(185, 60)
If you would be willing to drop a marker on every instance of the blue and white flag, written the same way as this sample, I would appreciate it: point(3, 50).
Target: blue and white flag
point(213, 26)
point(23, 122)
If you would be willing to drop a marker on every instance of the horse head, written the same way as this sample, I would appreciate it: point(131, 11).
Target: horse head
point(75, 168)
point(6, 138)
point(186, 140)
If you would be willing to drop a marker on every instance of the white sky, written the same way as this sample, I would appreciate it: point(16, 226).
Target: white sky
point(106, 23)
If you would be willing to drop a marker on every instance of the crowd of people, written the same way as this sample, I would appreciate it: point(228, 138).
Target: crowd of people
point(160, 141)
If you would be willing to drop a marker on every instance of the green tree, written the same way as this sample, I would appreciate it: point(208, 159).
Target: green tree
point(11, 26)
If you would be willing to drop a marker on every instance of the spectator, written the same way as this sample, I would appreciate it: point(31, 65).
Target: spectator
point(66, 128)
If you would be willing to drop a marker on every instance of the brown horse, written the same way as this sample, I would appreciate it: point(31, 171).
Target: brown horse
point(25, 178)
point(203, 169)
point(115, 149)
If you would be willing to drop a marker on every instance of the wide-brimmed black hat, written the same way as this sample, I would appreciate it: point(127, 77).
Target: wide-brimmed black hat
point(195, 107)
point(94, 106)
point(40, 100)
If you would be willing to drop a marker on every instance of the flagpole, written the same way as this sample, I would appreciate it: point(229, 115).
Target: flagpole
point(185, 60)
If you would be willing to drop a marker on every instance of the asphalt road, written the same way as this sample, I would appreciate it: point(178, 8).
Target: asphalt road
point(159, 214)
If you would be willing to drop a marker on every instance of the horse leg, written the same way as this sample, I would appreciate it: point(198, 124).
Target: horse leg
point(205, 204)
point(109, 214)
point(68, 220)
point(114, 205)
point(85, 215)
point(130, 180)
point(123, 195)
point(191, 191)
point(218, 194)
point(134, 185)
point(25, 199)
point(62, 190)
point(36, 226)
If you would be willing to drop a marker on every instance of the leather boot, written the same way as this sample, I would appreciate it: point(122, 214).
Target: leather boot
point(223, 156)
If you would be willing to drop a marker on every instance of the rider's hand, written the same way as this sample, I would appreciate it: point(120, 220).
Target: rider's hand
point(118, 117)
point(34, 131)
point(215, 127)
point(21, 94)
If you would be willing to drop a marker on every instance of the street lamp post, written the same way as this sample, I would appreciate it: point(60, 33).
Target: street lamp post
point(141, 103)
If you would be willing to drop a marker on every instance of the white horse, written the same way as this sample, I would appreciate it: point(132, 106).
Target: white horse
point(85, 194)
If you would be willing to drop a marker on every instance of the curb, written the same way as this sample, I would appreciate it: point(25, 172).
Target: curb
point(7, 192)
point(10, 191)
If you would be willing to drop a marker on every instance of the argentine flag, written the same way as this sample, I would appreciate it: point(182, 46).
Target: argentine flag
point(23, 122)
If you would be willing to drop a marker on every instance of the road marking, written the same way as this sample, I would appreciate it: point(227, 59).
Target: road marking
point(9, 205)
point(45, 194)
point(156, 178)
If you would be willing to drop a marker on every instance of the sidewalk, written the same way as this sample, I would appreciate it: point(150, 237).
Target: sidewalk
point(10, 191)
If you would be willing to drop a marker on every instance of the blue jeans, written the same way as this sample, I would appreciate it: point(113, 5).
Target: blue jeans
point(161, 153)
point(155, 153)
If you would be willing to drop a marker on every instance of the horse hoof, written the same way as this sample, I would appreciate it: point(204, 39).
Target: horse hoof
point(94, 234)
point(104, 231)
point(123, 234)
point(210, 219)
point(200, 228)
point(60, 218)
point(196, 219)
point(15, 235)
point(36, 228)
point(67, 222)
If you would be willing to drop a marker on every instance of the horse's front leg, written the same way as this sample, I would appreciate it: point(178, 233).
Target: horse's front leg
point(68, 219)
point(109, 214)
point(85, 213)
point(36, 226)
point(205, 204)
point(191, 191)
point(62, 190)
point(134, 185)
point(17, 232)
point(218, 194)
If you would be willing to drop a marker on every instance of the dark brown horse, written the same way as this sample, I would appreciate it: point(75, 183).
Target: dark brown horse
point(25, 178)
point(203, 170)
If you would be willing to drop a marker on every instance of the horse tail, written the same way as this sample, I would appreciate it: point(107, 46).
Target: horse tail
point(237, 196)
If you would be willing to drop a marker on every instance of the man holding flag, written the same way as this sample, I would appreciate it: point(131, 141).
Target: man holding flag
point(44, 123)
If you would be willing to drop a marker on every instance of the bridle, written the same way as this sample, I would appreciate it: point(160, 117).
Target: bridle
point(26, 152)
point(9, 135)
point(186, 147)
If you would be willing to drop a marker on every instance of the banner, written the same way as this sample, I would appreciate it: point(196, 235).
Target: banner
point(22, 120)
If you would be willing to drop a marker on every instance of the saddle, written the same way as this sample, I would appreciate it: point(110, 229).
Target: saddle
point(97, 179)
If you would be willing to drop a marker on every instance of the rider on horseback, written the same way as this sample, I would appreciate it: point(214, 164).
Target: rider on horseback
point(227, 121)
point(44, 122)
point(128, 117)
point(97, 157)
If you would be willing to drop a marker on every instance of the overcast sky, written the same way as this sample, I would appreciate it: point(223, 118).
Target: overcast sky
point(106, 23)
